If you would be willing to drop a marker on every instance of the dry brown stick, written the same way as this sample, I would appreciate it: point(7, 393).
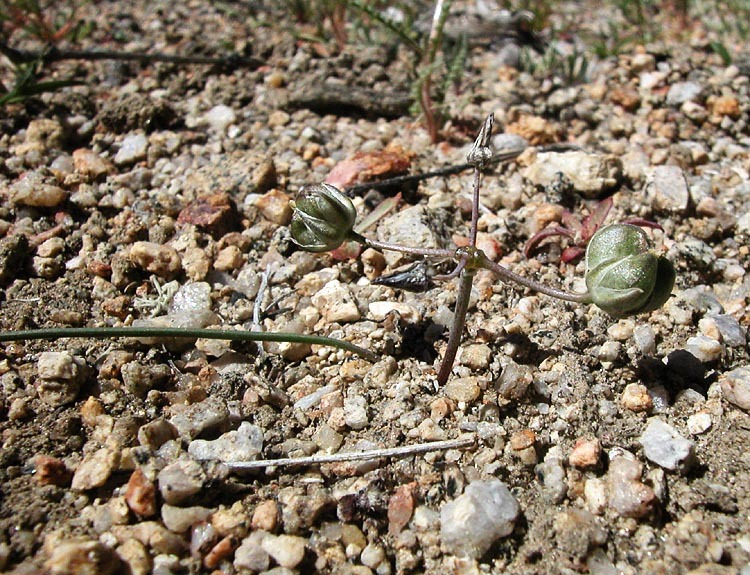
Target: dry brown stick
point(403, 451)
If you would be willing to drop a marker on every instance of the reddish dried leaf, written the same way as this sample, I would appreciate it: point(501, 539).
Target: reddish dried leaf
point(215, 213)
point(643, 223)
point(369, 166)
point(538, 237)
point(572, 253)
point(595, 219)
point(400, 508)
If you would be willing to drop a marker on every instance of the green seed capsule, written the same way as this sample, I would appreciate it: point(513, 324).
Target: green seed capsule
point(623, 275)
point(323, 218)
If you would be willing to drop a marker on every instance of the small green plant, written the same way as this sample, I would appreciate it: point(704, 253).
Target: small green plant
point(570, 68)
point(48, 23)
point(623, 275)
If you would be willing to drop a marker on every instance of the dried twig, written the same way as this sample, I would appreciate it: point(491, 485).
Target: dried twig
point(54, 54)
point(404, 451)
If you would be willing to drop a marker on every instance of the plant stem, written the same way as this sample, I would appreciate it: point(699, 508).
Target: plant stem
point(178, 332)
point(426, 252)
point(507, 275)
point(459, 318)
point(416, 178)
point(403, 451)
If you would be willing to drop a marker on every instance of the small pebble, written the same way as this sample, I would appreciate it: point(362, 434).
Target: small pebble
point(287, 550)
point(462, 389)
point(135, 556)
point(699, 423)
point(95, 469)
point(379, 310)
point(210, 414)
point(595, 493)
point(158, 259)
point(336, 303)
point(472, 522)
point(590, 173)
point(251, 555)
point(735, 387)
point(140, 494)
point(90, 164)
point(61, 377)
point(81, 557)
point(180, 519)
point(274, 205)
point(609, 351)
point(667, 189)
point(33, 190)
point(180, 480)
point(622, 330)
point(266, 516)
point(133, 149)
point(475, 356)
point(635, 397)
point(585, 453)
point(627, 495)
point(228, 259)
point(244, 444)
point(220, 117)
point(551, 473)
point(663, 445)
point(704, 348)
point(355, 412)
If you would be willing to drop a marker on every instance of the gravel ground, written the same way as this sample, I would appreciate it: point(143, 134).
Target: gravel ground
point(157, 194)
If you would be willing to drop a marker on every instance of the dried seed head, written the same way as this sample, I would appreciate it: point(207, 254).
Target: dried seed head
point(481, 152)
point(623, 275)
point(323, 218)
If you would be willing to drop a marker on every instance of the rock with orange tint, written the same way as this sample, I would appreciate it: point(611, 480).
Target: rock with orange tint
point(586, 453)
point(534, 129)
point(725, 106)
point(140, 494)
point(52, 471)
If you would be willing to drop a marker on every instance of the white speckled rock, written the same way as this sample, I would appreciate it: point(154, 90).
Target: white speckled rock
point(336, 303)
point(735, 386)
point(472, 522)
point(667, 189)
point(220, 117)
point(244, 444)
point(664, 445)
point(133, 149)
point(589, 173)
point(627, 494)
point(706, 349)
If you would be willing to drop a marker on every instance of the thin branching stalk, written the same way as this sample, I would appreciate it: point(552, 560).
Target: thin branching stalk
point(459, 319)
point(414, 251)
point(183, 333)
point(509, 276)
